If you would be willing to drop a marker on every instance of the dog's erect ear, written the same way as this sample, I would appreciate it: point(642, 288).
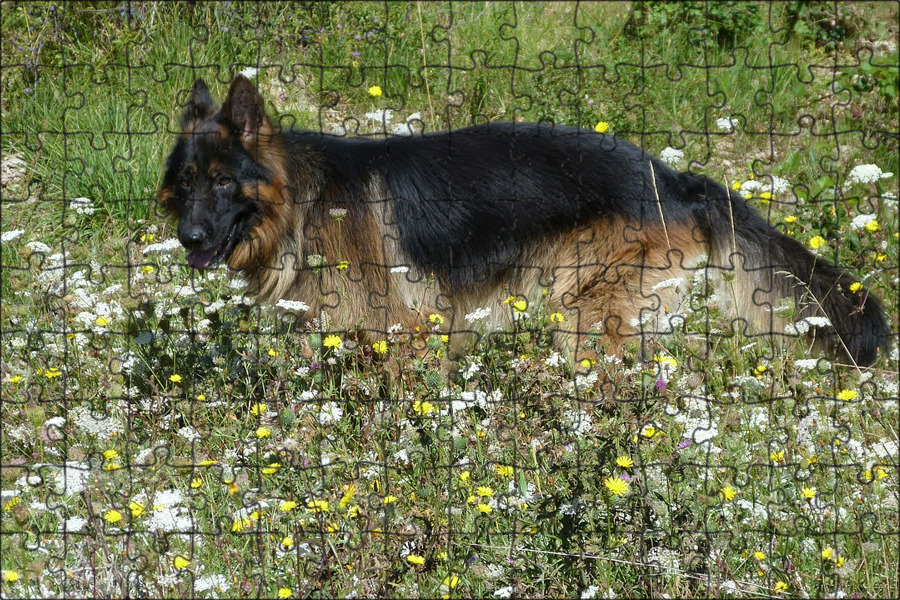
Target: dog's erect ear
point(244, 107)
point(200, 104)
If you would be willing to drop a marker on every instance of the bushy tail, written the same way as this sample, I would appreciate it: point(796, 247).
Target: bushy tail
point(771, 266)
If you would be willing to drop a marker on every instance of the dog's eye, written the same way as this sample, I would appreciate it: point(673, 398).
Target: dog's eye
point(185, 182)
point(223, 180)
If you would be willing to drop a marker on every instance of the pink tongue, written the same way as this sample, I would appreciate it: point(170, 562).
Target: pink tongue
point(200, 260)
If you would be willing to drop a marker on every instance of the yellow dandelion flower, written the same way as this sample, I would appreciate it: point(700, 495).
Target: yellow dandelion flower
point(760, 369)
point(872, 226)
point(650, 432)
point(464, 476)
point(790, 219)
point(601, 127)
point(375, 91)
point(349, 491)
point(625, 462)
point(285, 593)
point(816, 242)
point(484, 508)
point(240, 524)
point(259, 408)
point(415, 559)
point(828, 553)
point(181, 562)
point(332, 341)
point(10, 576)
point(110, 454)
point(380, 347)
point(557, 317)
point(317, 506)
point(147, 269)
point(263, 432)
point(112, 516)
point(196, 482)
point(390, 499)
point(736, 186)
point(847, 395)
point(272, 468)
point(855, 286)
point(808, 492)
point(780, 586)
point(208, 462)
point(484, 491)
point(11, 504)
point(342, 266)
point(136, 508)
point(102, 321)
point(15, 379)
point(728, 493)
point(422, 408)
point(451, 581)
point(616, 486)
point(504, 470)
point(759, 555)
point(436, 319)
point(201, 397)
point(176, 378)
point(287, 506)
point(52, 373)
point(287, 541)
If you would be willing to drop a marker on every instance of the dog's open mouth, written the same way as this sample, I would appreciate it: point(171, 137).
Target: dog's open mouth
point(204, 259)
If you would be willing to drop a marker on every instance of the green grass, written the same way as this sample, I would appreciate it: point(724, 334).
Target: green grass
point(197, 416)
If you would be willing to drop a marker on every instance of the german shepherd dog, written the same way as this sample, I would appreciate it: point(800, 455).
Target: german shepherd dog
point(383, 231)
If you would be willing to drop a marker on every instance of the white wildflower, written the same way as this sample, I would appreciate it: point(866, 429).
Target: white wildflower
point(163, 247)
point(401, 269)
point(11, 235)
point(671, 156)
point(295, 305)
point(809, 364)
point(39, 247)
point(250, 72)
point(70, 479)
point(726, 123)
point(73, 524)
point(331, 412)
point(504, 592)
point(216, 582)
point(669, 283)
point(861, 221)
point(189, 433)
point(478, 315)
point(83, 206)
point(867, 174)
point(383, 115)
point(590, 592)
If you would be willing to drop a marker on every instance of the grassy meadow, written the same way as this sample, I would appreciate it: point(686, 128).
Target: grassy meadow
point(161, 435)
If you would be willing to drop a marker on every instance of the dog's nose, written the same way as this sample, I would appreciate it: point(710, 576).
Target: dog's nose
point(194, 237)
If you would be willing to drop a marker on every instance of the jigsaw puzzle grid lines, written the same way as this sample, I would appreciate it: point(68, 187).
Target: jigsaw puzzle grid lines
point(165, 434)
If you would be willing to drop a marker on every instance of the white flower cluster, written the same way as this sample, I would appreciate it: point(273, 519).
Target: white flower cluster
point(867, 174)
point(82, 206)
point(726, 123)
point(777, 186)
point(861, 221)
point(294, 305)
point(671, 156)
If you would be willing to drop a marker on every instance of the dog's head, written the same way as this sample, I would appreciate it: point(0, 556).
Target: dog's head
point(221, 175)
